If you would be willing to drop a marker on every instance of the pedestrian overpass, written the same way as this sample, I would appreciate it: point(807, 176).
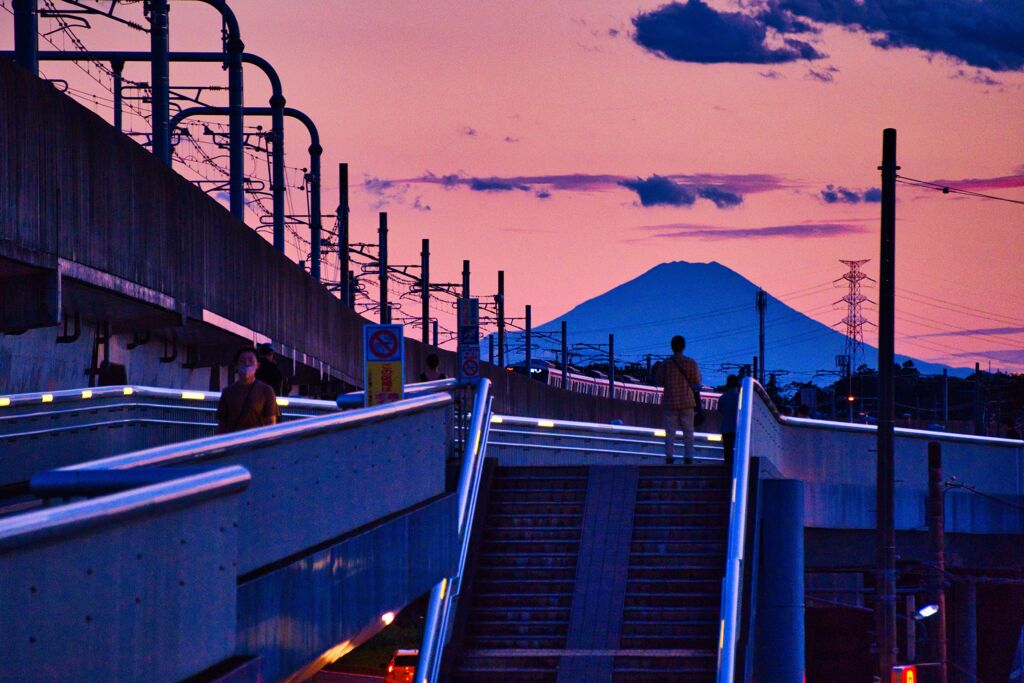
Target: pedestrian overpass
point(138, 545)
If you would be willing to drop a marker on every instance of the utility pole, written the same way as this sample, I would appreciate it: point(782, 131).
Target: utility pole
point(529, 339)
point(565, 355)
point(762, 307)
point(159, 46)
point(343, 235)
point(937, 541)
point(648, 376)
point(611, 367)
point(490, 349)
point(500, 302)
point(885, 608)
point(977, 400)
point(382, 241)
point(945, 398)
point(117, 67)
point(465, 279)
point(26, 35)
point(435, 332)
point(425, 289)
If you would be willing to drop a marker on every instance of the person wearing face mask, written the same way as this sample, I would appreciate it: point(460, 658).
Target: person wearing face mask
point(248, 402)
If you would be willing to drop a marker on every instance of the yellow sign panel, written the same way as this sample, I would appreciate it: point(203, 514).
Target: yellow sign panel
point(383, 382)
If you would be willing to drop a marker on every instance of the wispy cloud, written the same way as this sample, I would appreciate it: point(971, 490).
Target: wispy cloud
point(708, 232)
point(385, 192)
point(985, 331)
point(1006, 181)
point(1010, 356)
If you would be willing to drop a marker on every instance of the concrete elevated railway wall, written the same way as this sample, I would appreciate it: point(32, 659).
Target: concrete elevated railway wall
point(95, 231)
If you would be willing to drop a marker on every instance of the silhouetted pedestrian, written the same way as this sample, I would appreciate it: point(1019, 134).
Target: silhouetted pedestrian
point(728, 406)
point(680, 376)
point(248, 402)
point(432, 373)
point(268, 372)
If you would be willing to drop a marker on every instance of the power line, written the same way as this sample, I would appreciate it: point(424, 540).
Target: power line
point(946, 189)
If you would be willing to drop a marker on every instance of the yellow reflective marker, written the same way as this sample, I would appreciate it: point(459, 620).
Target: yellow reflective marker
point(4, 402)
point(495, 419)
point(193, 395)
point(660, 432)
point(47, 398)
point(714, 437)
point(86, 393)
point(128, 391)
point(545, 423)
point(282, 401)
point(721, 636)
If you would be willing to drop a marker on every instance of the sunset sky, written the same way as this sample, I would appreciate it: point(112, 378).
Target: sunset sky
point(577, 144)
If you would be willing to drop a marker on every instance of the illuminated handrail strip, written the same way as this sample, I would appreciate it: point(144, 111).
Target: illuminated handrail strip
point(732, 583)
point(48, 523)
point(595, 427)
point(211, 445)
point(94, 393)
point(441, 608)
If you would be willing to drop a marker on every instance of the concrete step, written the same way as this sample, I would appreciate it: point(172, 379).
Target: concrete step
point(519, 613)
point(677, 547)
point(486, 641)
point(536, 495)
point(680, 560)
point(570, 534)
point(521, 559)
point(535, 508)
point(655, 642)
point(673, 585)
point(673, 600)
point(526, 573)
point(523, 586)
point(707, 518)
point(670, 614)
point(546, 547)
point(679, 532)
point(684, 495)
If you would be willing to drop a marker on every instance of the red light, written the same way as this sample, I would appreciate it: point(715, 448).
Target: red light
point(851, 399)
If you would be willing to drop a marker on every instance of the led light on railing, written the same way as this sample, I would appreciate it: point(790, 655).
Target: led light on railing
point(387, 618)
point(282, 401)
point(495, 419)
point(4, 401)
point(193, 395)
point(86, 393)
point(545, 423)
point(661, 433)
point(721, 636)
point(47, 398)
point(128, 391)
point(714, 437)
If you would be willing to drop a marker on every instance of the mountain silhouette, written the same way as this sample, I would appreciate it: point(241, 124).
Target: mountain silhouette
point(714, 308)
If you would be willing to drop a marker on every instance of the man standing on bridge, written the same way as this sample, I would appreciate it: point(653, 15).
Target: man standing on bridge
point(248, 402)
point(680, 376)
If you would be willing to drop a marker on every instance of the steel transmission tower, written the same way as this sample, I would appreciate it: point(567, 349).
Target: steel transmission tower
point(855, 322)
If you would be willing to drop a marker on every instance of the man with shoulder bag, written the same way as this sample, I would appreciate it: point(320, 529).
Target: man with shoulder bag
point(680, 377)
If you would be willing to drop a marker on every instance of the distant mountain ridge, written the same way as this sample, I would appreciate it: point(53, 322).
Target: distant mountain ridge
point(713, 307)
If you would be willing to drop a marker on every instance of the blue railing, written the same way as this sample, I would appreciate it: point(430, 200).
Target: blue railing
point(732, 584)
point(444, 596)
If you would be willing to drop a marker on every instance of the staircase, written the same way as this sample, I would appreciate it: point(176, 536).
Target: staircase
point(660, 591)
point(522, 591)
point(677, 560)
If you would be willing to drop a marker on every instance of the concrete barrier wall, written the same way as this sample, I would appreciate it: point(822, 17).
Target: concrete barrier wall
point(129, 587)
point(837, 463)
point(327, 482)
point(78, 197)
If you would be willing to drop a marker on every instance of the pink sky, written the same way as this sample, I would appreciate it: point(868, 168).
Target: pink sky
point(396, 88)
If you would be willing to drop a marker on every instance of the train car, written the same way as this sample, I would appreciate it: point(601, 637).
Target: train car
point(581, 383)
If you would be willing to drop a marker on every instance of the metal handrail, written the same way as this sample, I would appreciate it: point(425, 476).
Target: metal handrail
point(355, 399)
point(222, 443)
point(732, 584)
point(444, 595)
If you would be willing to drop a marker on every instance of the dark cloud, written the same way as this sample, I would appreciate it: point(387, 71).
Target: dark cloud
point(723, 199)
point(468, 131)
point(707, 232)
point(987, 34)
point(999, 182)
point(833, 194)
point(509, 138)
point(695, 32)
point(542, 194)
point(495, 185)
point(659, 190)
point(771, 74)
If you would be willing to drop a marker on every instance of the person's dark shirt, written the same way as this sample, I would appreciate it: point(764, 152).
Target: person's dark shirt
point(244, 406)
point(437, 375)
point(728, 405)
point(270, 374)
